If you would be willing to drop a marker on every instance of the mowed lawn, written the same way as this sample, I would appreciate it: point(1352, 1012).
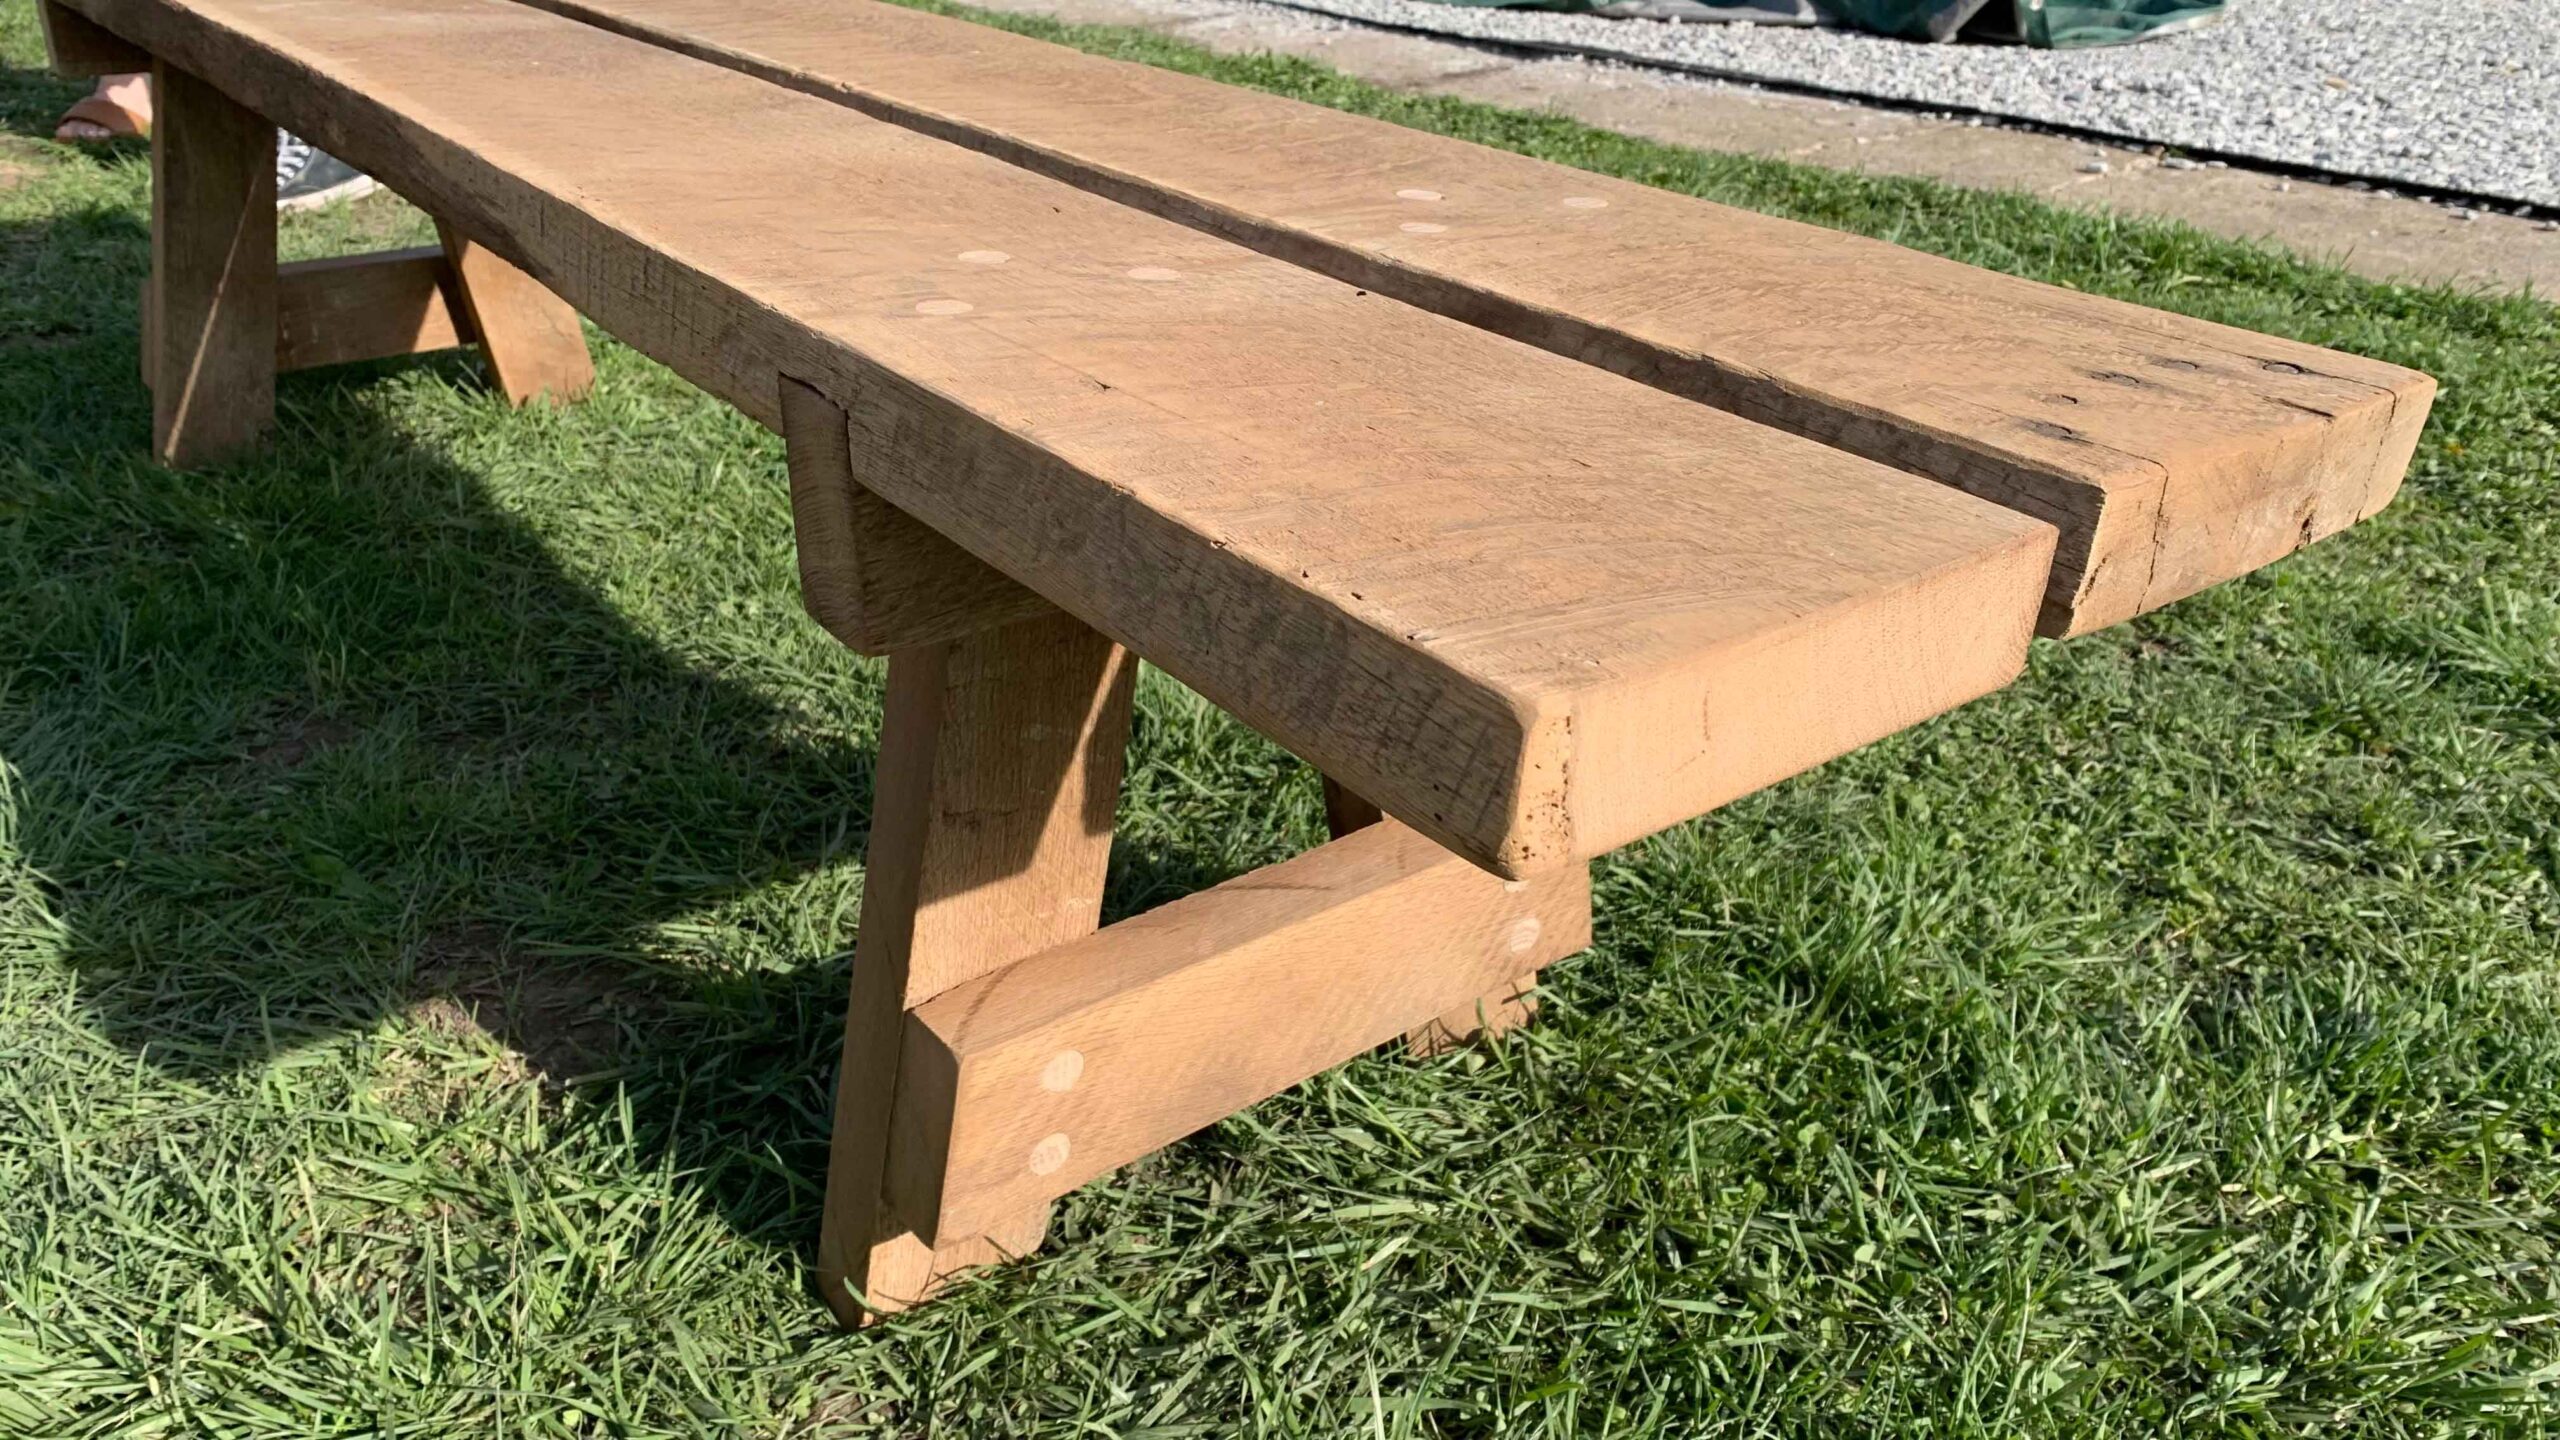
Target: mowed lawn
point(429, 856)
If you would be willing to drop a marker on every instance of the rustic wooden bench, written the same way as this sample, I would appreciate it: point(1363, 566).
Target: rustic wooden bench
point(1045, 415)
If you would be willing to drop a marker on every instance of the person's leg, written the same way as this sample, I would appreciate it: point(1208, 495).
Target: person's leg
point(119, 106)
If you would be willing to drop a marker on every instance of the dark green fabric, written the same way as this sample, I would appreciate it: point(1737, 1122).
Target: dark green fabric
point(1916, 19)
point(2061, 24)
point(2056, 24)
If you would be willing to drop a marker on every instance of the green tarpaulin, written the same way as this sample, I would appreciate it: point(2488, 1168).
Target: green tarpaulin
point(2055, 23)
point(2051, 23)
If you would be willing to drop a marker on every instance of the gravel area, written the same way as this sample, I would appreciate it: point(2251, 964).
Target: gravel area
point(2463, 95)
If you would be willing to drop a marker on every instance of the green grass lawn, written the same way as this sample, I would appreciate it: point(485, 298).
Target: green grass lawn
point(429, 857)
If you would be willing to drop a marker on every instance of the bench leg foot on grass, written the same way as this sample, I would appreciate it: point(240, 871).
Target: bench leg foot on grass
point(529, 336)
point(211, 340)
point(904, 1270)
point(1512, 1005)
point(999, 769)
point(1027, 1082)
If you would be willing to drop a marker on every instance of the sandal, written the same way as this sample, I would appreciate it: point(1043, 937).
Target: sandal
point(107, 115)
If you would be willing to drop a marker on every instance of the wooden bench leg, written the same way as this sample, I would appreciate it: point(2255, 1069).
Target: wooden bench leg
point(529, 336)
point(1514, 1004)
point(1000, 762)
point(999, 767)
point(78, 47)
point(212, 356)
point(1059, 1068)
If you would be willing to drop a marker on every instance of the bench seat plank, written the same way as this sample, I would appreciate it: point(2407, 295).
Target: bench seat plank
point(2173, 453)
point(1534, 610)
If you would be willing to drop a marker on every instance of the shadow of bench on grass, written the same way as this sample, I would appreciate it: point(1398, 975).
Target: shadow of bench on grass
point(326, 737)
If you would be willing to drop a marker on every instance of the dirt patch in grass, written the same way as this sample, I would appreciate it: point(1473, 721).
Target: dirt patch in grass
point(562, 1018)
point(299, 739)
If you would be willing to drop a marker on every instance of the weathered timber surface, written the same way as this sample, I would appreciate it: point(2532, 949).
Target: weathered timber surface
point(2172, 453)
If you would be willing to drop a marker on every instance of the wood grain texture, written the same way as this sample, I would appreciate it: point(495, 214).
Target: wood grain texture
point(999, 769)
point(905, 1271)
point(1069, 1064)
point(1504, 1008)
point(212, 360)
point(528, 336)
point(2172, 453)
point(348, 308)
point(366, 307)
point(1512, 1003)
point(874, 577)
point(1535, 610)
point(78, 47)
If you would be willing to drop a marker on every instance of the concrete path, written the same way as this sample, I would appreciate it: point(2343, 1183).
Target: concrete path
point(2384, 237)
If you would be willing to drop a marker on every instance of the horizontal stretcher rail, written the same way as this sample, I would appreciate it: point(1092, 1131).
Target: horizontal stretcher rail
point(358, 307)
point(1027, 1082)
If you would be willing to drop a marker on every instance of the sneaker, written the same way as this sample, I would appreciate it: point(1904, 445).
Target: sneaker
point(308, 177)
